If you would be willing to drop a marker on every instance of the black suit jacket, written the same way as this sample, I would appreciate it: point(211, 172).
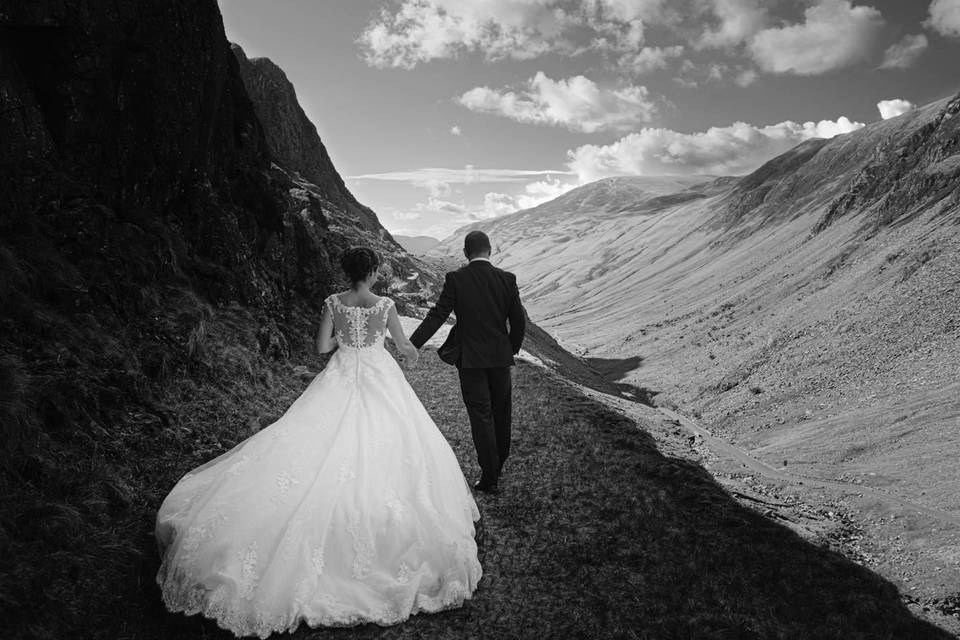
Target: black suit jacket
point(484, 298)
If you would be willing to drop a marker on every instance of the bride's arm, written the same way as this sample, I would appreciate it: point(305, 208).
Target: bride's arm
point(326, 341)
point(406, 348)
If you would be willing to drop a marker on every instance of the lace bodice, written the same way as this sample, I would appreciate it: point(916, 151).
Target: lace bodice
point(359, 327)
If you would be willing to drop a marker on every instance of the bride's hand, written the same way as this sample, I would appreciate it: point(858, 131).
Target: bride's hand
point(411, 355)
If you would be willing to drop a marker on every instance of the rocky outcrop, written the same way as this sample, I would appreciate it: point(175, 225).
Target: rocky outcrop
point(905, 175)
point(128, 127)
point(886, 171)
point(293, 139)
point(162, 271)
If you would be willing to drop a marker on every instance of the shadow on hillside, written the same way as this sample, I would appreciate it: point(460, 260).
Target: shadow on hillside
point(599, 535)
point(598, 374)
point(613, 369)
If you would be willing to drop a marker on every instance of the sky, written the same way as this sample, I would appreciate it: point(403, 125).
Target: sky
point(439, 113)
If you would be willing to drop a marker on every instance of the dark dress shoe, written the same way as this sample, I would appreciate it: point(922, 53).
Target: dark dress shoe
point(479, 485)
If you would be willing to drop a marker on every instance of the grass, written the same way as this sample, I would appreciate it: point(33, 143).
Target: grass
point(595, 535)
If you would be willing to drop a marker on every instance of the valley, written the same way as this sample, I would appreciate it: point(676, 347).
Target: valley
point(808, 314)
point(172, 222)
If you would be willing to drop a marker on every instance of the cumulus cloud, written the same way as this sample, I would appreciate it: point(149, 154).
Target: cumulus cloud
point(738, 20)
point(904, 53)
point(576, 103)
point(416, 31)
point(534, 193)
point(893, 108)
point(455, 130)
point(736, 149)
point(833, 35)
point(439, 218)
point(498, 204)
point(649, 59)
point(542, 191)
point(745, 77)
point(944, 17)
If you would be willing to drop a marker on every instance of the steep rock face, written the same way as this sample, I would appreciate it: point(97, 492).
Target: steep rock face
point(905, 174)
point(126, 121)
point(314, 189)
point(890, 169)
point(161, 280)
point(293, 139)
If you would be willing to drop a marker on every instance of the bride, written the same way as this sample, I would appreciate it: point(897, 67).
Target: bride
point(350, 508)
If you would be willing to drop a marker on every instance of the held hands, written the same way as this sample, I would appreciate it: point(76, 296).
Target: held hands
point(410, 354)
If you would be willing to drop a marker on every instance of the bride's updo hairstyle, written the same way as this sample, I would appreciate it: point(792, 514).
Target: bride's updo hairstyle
point(358, 263)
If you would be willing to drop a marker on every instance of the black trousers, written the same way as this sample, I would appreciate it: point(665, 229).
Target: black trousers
point(487, 394)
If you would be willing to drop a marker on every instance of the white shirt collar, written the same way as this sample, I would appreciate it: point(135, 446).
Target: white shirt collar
point(479, 258)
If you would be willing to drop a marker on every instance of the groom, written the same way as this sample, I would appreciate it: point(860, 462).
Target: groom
point(484, 298)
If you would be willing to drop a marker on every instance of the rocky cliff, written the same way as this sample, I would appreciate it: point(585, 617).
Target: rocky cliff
point(293, 139)
point(163, 256)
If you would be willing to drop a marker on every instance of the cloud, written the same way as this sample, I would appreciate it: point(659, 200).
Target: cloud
point(468, 175)
point(902, 54)
point(534, 193)
point(439, 218)
point(691, 75)
point(736, 149)
point(542, 191)
point(649, 59)
point(396, 214)
point(834, 35)
point(437, 188)
point(412, 32)
point(738, 21)
point(893, 108)
point(498, 204)
point(944, 17)
point(436, 205)
point(576, 103)
point(746, 77)
point(455, 130)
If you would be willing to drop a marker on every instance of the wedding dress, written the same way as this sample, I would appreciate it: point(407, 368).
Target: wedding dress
point(350, 508)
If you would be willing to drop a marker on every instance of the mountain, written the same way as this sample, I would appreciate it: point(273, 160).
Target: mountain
point(293, 139)
point(601, 200)
point(417, 245)
point(170, 225)
point(809, 312)
point(301, 157)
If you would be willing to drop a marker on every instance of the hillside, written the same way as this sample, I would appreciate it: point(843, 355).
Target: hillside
point(170, 225)
point(808, 313)
point(301, 158)
point(417, 245)
point(163, 259)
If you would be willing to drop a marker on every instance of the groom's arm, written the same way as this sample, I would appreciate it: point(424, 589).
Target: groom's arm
point(437, 315)
point(517, 317)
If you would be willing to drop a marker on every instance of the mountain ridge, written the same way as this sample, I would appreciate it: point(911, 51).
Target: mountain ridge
point(807, 312)
point(416, 245)
point(292, 137)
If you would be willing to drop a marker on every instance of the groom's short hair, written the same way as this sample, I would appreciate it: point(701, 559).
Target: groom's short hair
point(476, 243)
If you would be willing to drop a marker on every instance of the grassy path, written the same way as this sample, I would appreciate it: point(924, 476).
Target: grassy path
point(598, 535)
